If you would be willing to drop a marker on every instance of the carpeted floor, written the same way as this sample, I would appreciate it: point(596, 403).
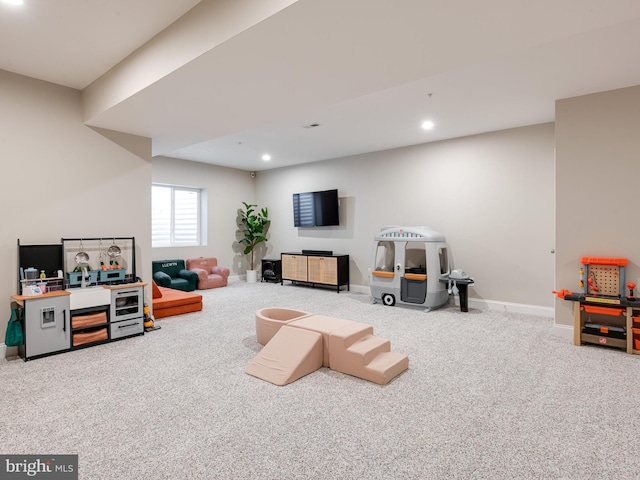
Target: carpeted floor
point(488, 395)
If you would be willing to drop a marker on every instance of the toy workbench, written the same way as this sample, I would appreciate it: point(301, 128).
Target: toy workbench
point(603, 314)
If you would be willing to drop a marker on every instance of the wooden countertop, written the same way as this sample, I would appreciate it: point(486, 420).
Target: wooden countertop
point(58, 293)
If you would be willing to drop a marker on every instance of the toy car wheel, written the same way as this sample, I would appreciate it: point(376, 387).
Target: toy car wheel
point(388, 299)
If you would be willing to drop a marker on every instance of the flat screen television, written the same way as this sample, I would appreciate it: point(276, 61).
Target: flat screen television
point(316, 209)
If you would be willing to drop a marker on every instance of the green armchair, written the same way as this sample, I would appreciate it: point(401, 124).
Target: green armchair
point(173, 274)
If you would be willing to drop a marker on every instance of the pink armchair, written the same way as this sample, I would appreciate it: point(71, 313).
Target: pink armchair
point(210, 275)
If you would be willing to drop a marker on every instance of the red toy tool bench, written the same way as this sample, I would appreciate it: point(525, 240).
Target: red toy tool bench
point(603, 315)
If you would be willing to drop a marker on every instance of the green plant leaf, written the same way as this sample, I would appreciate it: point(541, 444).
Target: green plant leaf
point(252, 226)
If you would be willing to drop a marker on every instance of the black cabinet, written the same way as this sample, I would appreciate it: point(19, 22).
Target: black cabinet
point(271, 270)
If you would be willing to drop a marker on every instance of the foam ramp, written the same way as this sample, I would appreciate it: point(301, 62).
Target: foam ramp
point(291, 354)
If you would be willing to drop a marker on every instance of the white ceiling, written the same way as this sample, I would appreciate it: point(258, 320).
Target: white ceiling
point(368, 71)
point(73, 42)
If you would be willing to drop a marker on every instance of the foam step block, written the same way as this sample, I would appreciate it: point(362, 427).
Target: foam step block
point(349, 334)
point(369, 347)
point(291, 354)
point(385, 367)
point(354, 359)
point(324, 326)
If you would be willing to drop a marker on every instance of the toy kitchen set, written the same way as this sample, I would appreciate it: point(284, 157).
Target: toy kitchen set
point(78, 293)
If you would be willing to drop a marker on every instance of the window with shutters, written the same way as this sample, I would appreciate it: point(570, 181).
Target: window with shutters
point(176, 216)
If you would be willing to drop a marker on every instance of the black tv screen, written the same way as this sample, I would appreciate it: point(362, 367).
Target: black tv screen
point(41, 257)
point(316, 209)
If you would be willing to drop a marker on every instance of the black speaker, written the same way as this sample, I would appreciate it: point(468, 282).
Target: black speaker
point(271, 270)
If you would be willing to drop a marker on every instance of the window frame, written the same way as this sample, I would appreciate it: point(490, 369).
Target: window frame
point(200, 217)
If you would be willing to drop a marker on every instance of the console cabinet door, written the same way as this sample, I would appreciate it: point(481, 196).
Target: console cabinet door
point(294, 267)
point(323, 270)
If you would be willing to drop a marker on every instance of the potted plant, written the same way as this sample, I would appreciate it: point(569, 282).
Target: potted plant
point(253, 225)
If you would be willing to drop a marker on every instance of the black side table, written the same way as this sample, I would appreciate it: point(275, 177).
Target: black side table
point(462, 284)
point(271, 270)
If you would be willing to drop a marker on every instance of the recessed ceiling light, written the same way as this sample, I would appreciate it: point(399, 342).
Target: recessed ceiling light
point(14, 2)
point(428, 124)
point(266, 157)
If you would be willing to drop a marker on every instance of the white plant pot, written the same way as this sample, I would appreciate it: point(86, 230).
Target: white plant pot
point(252, 276)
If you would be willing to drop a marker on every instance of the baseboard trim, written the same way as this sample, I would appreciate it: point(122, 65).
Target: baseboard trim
point(563, 331)
point(509, 307)
point(478, 303)
point(488, 304)
point(359, 289)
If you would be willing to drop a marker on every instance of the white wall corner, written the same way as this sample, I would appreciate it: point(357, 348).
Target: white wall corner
point(564, 331)
point(360, 289)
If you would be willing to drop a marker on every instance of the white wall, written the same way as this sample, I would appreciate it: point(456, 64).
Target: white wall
point(597, 152)
point(491, 195)
point(226, 189)
point(63, 179)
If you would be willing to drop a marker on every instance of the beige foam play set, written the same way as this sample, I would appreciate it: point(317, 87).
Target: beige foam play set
point(297, 343)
